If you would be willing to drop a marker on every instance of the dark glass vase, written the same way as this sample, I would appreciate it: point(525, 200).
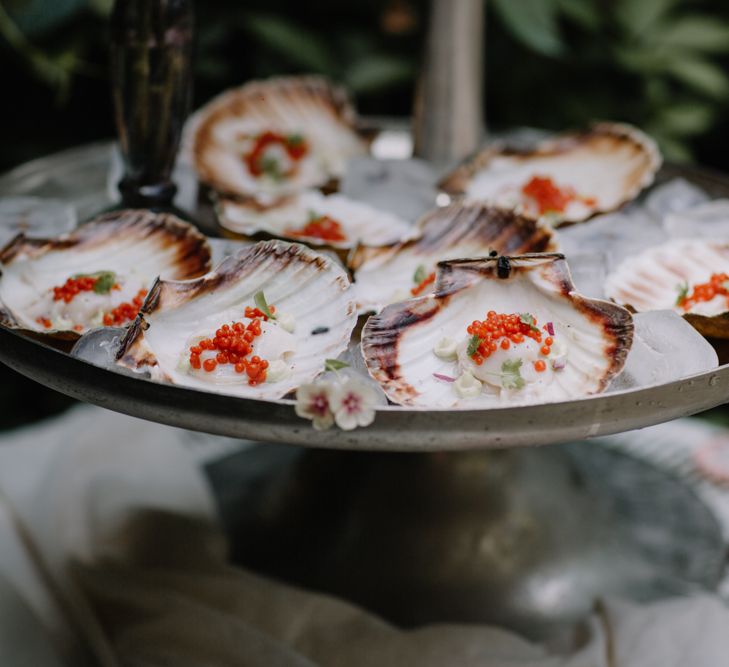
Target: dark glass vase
point(151, 60)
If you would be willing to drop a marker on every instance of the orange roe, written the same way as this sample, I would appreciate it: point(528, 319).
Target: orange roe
point(233, 344)
point(420, 288)
point(44, 322)
point(72, 287)
point(323, 227)
point(295, 146)
point(706, 291)
point(540, 366)
point(125, 311)
point(502, 330)
point(548, 196)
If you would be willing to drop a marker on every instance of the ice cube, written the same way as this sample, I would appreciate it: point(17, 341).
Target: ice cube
point(665, 348)
point(710, 219)
point(100, 346)
point(674, 197)
point(615, 235)
point(34, 216)
point(588, 273)
point(404, 187)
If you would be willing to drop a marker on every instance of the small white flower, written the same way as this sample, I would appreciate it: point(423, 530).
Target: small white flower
point(314, 401)
point(353, 404)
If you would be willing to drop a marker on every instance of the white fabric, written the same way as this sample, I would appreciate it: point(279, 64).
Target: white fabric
point(125, 501)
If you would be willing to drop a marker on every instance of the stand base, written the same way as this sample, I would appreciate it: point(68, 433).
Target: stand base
point(526, 538)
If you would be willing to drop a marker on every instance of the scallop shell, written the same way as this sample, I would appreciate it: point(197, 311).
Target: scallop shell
point(610, 163)
point(398, 343)
point(384, 275)
point(360, 222)
point(652, 280)
point(307, 106)
point(136, 245)
point(305, 285)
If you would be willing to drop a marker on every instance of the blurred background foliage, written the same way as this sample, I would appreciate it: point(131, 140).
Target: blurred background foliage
point(661, 64)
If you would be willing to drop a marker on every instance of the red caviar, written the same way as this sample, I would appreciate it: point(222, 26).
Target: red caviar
point(233, 343)
point(125, 311)
point(295, 146)
point(322, 227)
point(420, 288)
point(45, 322)
point(540, 366)
point(74, 286)
point(705, 291)
point(502, 330)
point(548, 196)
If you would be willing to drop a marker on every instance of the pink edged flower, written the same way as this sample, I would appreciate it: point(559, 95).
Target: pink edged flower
point(314, 401)
point(353, 404)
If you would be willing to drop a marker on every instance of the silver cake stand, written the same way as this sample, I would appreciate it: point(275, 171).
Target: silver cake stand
point(503, 533)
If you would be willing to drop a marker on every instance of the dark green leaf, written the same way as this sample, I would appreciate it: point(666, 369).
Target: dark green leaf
point(473, 345)
point(511, 374)
point(582, 12)
point(37, 17)
point(260, 301)
point(685, 119)
point(299, 46)
point(532, 22)
point(377, 72)
point(699, 33)
point(638, 17)
point(334, 364)
point(703, 76)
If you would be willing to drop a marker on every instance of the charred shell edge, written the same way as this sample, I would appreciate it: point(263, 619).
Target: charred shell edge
point(455, 183)
point(381, 333)
point(546, 240)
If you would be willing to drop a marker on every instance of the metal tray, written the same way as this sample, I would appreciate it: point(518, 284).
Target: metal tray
point(80, 177)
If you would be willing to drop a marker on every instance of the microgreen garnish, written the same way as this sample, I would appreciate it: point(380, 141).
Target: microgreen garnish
point(105, 280)
point(420, 275)
point(271, 167)
point(683, 289)
point(511, 374)
point(295, 139)
point(313, 215)
point(262, 305)
point(528, 319)
point(334, 365)
point(473, 345)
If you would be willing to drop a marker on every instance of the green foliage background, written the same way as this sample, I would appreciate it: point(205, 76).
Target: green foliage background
point(661, 64)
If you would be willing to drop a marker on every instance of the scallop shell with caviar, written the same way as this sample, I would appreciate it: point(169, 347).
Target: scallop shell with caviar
point(387, 275)
point(656, 278)
point(596, 171)
point(418, 350)
point(292, 218)
point(315, 128)
point(314, 318)
point(121, 252)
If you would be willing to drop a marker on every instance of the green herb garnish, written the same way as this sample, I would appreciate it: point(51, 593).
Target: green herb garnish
point(295, 140)
point(683, 290)
point(528, 319)
point(420, 275)
point(271, 167)
point(105, 280)
point(260, 301)
point(473, 345)
point(511, 374)
point(334, 365)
